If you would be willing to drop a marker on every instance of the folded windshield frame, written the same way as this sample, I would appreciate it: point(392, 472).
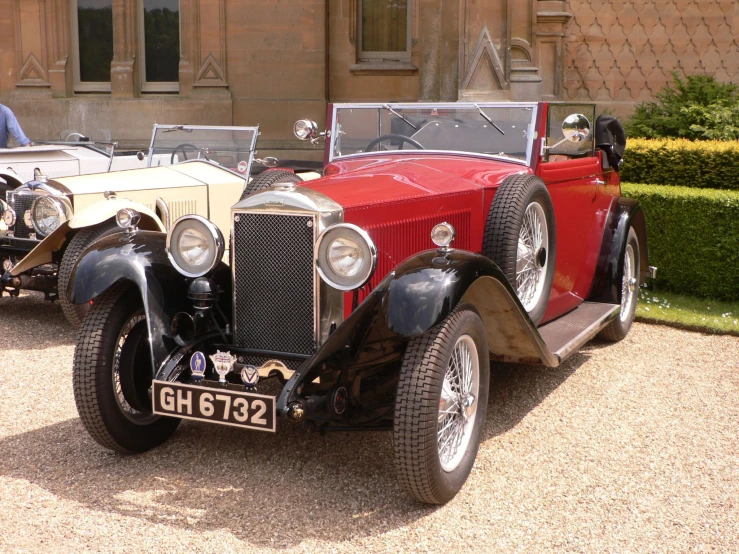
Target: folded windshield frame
point(241, 141)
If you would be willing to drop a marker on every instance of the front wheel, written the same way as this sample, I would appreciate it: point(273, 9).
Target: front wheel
point(112, 374)
point(440, 406)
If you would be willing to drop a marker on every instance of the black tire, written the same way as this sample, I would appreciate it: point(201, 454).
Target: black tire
point(417, 408)
point(619, 327)
point(503, 226)
point(75, 313)
point(94, 371)
point(267, 179)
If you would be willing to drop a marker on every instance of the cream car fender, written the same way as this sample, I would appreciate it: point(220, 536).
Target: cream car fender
point(102, 211)
point(97, 213)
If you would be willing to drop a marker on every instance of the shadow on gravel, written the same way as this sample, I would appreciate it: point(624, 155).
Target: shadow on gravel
point(266, 489)
point(516, 389)
point(29, 322)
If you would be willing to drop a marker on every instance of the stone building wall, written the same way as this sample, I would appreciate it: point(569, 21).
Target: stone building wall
point(619, 53)
point(246, 62)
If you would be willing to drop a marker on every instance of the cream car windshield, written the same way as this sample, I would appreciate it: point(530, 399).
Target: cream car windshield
point(499, 130)
point(230, 147)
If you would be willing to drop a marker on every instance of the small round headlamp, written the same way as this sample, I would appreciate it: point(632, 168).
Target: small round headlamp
point(194, 245)
point(127, 218)
point(346, 256)
point(48, 213)
point(305, 129)
point(443, 234)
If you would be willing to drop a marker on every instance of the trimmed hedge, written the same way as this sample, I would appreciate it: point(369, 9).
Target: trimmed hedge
point(693, 238)
point(702, 164)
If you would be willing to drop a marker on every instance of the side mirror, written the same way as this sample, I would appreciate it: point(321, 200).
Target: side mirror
point(576, 128)
point(306, 129)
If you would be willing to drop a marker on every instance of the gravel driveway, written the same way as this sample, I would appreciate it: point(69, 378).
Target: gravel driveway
point(630, 447)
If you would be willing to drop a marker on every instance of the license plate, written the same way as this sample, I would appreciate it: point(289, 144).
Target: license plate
point(215, 405)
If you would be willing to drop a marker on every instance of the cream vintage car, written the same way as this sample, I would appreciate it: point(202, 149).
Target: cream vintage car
point(47, 223)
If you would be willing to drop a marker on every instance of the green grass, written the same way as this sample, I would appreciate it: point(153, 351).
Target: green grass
point(710, 316)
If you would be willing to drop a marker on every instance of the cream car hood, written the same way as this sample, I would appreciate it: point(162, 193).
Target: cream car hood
point(183, 175)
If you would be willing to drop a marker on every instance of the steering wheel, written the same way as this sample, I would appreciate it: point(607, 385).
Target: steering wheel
point(183, 148)
point(401, 138)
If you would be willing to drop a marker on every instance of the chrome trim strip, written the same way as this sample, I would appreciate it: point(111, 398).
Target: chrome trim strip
point(162, 205)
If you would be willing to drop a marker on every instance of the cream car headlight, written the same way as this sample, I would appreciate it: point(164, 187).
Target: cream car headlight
point(346, 256)
point(194, 245)
point(48, 213)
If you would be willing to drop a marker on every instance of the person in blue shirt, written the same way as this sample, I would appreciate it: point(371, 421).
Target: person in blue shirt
point(9, 125)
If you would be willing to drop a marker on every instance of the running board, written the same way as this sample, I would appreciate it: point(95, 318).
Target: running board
point(564, 336)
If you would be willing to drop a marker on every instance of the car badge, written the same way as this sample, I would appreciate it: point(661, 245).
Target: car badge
point(224, 363)
point(27, 219)
point(250, 375)
point(242, 166)
point(197, 365)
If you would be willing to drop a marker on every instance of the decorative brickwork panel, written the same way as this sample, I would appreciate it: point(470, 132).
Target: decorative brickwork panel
point(625, 51)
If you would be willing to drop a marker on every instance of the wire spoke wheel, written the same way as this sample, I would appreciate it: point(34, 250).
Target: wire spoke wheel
point(131, 378)
point(458, 403)
point(520, 237)
point(440, 406)
point(112, 374)
point(619, 327)
point(628, 283)
point(532, 258)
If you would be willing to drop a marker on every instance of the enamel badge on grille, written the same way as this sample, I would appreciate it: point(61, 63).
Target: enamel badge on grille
point(224, 363)
point(250, 375)
point(197, 365)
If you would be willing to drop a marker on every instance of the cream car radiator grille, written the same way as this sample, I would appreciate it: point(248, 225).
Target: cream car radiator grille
point(20, 203)
point(274, 282)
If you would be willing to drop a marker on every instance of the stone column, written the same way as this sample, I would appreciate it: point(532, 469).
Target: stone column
point(124, 79)
point(430, 13)
point(57, 46)
point(209, 45)
point(31, 44)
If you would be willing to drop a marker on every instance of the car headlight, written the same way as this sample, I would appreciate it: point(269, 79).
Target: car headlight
point(48, 213)
point(346, 256)
point(194, 245)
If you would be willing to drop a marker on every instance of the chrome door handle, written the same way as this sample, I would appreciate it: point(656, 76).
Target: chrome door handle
point(600, 182)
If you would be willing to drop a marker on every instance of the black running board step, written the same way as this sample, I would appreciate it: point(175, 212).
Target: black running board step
point(564, 336)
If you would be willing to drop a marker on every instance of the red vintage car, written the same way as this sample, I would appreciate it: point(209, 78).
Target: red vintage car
point(440, 237)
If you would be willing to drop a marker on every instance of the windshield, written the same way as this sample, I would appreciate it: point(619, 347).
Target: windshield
point(499, 130)
point(230, 147)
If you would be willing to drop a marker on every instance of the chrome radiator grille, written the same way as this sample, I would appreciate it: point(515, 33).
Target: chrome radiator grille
point(20, 203)
point(274, 282)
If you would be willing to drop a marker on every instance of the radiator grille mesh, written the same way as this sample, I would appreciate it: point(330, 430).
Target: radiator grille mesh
point(20, 203)
point(274, 282)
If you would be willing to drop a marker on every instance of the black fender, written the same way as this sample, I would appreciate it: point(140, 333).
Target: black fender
point(416, 296)
point(624, 214)
point(141, 260)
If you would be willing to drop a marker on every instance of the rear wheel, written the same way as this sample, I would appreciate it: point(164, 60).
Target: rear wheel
point(75, 313)
point(112, 374)
point(619, 327)
point(269, 178)
point(440, 406)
